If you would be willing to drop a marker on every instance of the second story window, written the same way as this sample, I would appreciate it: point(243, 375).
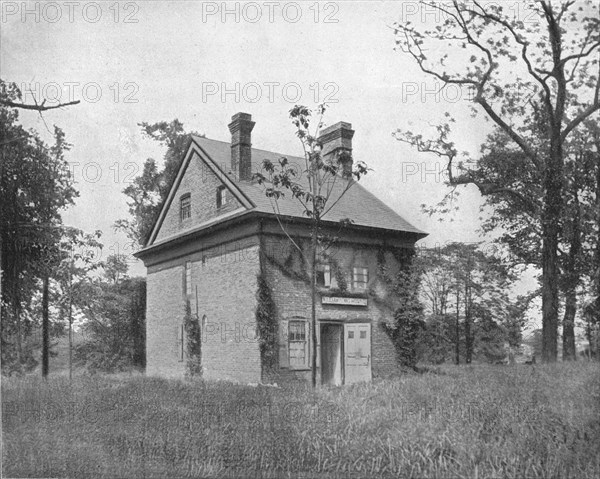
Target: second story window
point(221, 196)
point(324, 275)
point(360, 278)
point(185, 207)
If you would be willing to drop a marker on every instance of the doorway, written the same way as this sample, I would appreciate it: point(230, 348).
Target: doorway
point(332, 354)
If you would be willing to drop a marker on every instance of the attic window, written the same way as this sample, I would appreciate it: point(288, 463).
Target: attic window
point(185, 207)
point(222, 196)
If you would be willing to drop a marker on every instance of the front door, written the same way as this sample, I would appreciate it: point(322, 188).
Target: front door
point(357, 352)
point(331, 354)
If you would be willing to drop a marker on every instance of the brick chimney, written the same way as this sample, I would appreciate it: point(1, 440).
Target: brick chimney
point(336, 141)
point(241, 157)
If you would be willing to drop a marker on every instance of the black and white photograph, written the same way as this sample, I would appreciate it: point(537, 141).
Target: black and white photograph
point(306, 239)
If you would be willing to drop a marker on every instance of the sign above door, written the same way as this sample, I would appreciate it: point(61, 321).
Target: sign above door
point(343, 301)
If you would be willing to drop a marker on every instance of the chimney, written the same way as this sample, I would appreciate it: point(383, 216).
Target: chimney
point(241, 157)
point(336, 141)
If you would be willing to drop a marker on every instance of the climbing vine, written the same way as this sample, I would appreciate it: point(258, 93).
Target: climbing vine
point(266, 323)
point(193, 343)
point(403, 300)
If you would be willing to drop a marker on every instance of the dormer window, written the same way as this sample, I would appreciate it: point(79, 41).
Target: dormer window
point(185, 207)
point(222, 196)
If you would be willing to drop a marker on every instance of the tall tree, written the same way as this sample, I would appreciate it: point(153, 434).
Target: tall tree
point(314, 189)
point(34, 187)
point(556, 55)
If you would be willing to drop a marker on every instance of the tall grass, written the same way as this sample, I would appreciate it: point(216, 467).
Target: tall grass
point(467, 422)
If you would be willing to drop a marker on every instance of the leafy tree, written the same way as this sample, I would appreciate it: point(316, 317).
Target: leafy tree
point(115, 268)
point(34, 187)
point(115, 326)
point(317, 195)
point(148, 191)
point(555, 56)
point(463, 289)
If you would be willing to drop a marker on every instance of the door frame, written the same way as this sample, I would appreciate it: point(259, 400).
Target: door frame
point(340, 324)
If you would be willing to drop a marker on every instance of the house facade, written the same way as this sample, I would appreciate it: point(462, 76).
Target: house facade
point(218, 245)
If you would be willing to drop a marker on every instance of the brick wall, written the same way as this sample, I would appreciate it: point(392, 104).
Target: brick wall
point(292, 297)
point(227, 296)
point(225, 281)
point(200, 181)
point(164, 315)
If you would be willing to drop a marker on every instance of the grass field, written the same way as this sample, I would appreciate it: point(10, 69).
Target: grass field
point(475, 422)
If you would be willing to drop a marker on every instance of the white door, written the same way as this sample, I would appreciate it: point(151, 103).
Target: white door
point(357, 348)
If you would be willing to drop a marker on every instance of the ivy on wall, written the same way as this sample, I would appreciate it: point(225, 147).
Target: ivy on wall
point(193, 342)
point(266, 322)
point(403, 299)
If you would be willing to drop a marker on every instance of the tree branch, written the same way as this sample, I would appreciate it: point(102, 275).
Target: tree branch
point(36, 107)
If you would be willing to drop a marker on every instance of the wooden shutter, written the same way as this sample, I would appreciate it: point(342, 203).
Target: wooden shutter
point(284, 360)
point(180, 341)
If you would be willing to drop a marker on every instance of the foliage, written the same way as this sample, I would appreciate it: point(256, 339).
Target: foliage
point(483, 421)
point(403, 298)
point(538, 83)
point(148, 191)
point(115, 267)
point(465, 292)
point(35, 186)
point(116, 325)
point(266, 323)
point(191, 324)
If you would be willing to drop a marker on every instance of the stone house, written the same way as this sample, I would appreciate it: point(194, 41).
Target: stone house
point(217, 242)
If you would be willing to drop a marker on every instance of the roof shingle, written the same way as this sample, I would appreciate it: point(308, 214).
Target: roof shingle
point(358, 204)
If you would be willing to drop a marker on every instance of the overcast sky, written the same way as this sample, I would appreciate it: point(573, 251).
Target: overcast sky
point(131, 62)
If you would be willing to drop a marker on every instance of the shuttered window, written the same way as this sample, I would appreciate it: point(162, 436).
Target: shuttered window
point(294, 344)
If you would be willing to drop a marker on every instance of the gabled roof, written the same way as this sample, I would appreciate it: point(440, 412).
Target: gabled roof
point(358, 204)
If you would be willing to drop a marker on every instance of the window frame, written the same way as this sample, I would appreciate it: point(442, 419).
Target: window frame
point(185, 210)
point(305, 342)
point(222, 196)
point(324, 268)
point(360, 272)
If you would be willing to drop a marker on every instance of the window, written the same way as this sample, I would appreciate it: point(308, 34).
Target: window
point(185, 207)
point(188, 278)
point(297, 344)
point(360, 277)
point(221, 196)
point(294, 344)
point(324, 275)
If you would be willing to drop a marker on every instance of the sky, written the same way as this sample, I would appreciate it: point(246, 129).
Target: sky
point(202, 62)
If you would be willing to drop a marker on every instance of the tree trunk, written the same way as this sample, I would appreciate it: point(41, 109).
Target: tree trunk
point(572, 278)
point(468, 318)
point(457, 360)
point(45, 328)
point(313, 294)
point(569, 353)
